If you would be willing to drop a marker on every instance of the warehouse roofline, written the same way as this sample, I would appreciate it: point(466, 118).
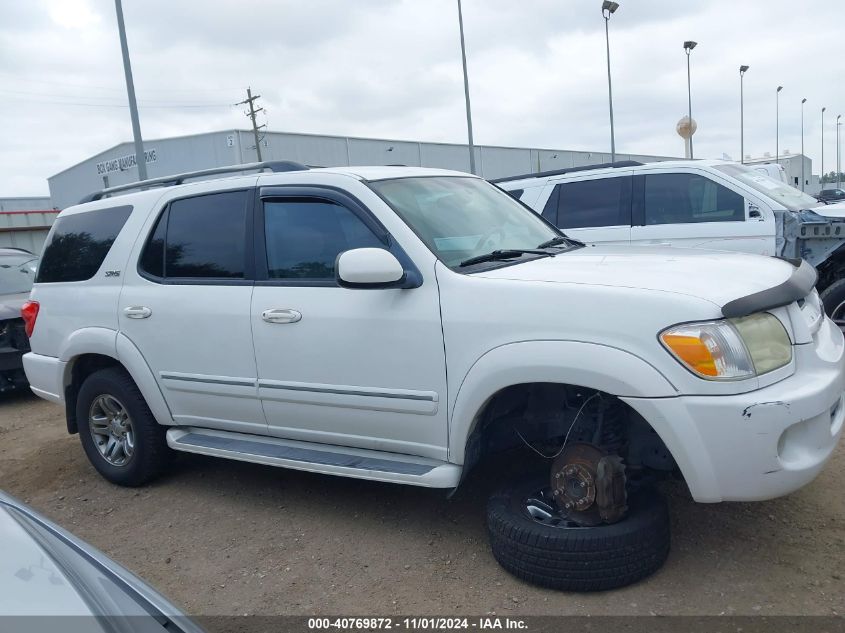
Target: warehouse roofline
point(147, 142)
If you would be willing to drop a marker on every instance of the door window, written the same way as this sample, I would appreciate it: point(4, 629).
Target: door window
point(594, 203)
point(304, 236)
point(202, 237)
point(690, 198)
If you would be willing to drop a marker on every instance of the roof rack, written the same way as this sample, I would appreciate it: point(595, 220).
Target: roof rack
point(569, 170)
point(178, 179)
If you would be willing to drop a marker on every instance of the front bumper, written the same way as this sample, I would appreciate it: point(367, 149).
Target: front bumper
point(764, 443)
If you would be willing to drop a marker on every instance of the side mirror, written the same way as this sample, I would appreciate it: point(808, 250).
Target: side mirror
point(368, 268)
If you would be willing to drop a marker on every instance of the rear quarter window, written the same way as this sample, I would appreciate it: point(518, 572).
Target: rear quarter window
point(79, 243)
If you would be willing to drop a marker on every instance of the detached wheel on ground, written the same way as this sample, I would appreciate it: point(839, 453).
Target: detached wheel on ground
point(833, 298)
point(119, 434)
point(532, 541)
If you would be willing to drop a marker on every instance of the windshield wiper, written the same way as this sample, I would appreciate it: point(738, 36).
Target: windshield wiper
point(560, 239)
point(508, 253)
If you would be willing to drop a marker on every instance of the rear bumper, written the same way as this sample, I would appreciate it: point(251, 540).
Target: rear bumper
point(757, 445)
point(46, 376)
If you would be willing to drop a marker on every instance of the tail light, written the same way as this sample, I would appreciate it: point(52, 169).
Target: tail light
point(29, 312)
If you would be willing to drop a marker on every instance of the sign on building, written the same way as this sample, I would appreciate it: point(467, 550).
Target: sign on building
point(124, 162)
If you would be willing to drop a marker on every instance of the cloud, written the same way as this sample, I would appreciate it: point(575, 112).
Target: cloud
point(392, 68)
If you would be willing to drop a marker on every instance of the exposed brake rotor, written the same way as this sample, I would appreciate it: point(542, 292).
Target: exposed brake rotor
point(588, 485)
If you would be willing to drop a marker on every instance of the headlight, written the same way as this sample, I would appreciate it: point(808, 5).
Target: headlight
point(730, 349)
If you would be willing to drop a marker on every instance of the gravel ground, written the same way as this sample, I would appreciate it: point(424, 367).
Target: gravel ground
point(222, 537)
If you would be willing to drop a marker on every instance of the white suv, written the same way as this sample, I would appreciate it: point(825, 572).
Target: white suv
point(712, 204)
point(405, 324)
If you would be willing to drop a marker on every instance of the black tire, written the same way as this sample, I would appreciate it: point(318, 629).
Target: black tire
point(150, 453)
point(832, 297)
point(578, 558)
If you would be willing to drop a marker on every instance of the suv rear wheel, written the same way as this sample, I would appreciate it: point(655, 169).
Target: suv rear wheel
point(531, 540)
point(119, 434)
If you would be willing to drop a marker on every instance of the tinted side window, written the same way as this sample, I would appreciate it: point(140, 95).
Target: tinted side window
point(516, 193)
point(690, 198)
point(305, 236)
point(205, 237)
point(600, 202)
point(80, 243)
point(152, 258)
point(199, 237)
point(550, 210)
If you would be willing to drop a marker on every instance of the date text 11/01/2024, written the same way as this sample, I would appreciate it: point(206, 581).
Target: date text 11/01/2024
point(416, 624)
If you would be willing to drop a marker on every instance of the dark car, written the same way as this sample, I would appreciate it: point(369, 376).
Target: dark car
point(830, 195)
point(17, 272)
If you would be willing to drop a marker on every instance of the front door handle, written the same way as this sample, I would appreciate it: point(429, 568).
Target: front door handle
point(137, 312)
point(281, 315)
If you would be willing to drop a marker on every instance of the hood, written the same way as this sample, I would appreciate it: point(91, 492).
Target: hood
point(10, 305)
point(835, 210)
point(716, 276)
point(30, 583)
point(46, 571)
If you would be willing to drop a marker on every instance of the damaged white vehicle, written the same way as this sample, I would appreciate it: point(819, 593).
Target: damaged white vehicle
point(405, 325)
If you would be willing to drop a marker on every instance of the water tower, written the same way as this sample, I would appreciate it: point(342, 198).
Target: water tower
point(685, 129)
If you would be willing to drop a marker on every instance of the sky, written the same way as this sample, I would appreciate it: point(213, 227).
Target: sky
point(392, 69)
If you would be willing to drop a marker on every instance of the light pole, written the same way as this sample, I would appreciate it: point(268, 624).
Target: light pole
point(777, 124)
point(688, 46)
point(130, 90)
point(838, 152)
point(466, 90)
point(822, 167)
point(803, 101)
point(742, 70)
point(606, 9)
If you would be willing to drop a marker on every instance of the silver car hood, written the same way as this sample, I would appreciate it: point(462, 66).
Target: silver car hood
point(30, 582)
point(46, 571)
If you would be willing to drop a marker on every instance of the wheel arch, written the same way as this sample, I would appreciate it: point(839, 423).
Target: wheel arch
point(578, 364)
point(87, 352)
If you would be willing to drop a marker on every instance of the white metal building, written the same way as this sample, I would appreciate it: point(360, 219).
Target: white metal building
point(791, 164)
point(175, 155)
point(24, 222)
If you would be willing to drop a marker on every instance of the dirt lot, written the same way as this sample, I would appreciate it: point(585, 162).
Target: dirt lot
point(221, 537)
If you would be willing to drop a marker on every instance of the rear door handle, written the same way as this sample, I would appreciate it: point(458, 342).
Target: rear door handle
point(137, 312)
point(281, 315)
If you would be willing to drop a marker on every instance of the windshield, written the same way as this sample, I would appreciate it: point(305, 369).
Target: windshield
point(790, 197)
point(17, 272)
point(459, 218)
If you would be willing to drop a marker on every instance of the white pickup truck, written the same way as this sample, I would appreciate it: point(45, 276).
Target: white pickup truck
point(406, 325)
point(711, 204)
